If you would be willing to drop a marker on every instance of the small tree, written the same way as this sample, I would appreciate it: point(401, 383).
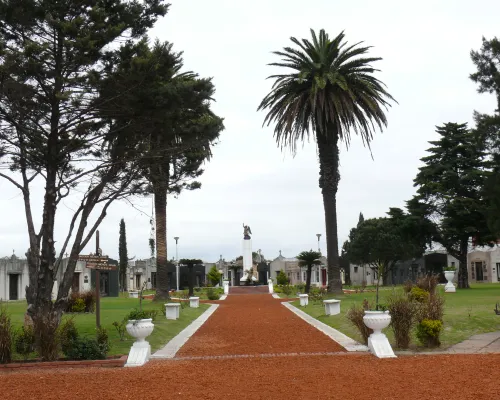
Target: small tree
point(309, 259)
point(214, 275)
point(282, 279)
point(123, 255)
point(190, 263)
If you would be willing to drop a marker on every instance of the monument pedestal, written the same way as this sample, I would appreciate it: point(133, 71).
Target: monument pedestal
point(247, 260)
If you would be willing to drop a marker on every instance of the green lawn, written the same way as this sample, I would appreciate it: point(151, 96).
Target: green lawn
point(115, 309)
point(467, 312)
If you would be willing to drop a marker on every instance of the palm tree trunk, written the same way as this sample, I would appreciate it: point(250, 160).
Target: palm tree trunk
point(329, 177)
point(308, 279)
point(160, 200)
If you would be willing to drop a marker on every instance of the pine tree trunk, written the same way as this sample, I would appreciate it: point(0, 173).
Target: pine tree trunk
point(463, 275)
point(160, 200)
point(328, 152)
point(308, 279)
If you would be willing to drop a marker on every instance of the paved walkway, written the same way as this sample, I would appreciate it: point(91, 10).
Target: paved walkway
point(478, 344)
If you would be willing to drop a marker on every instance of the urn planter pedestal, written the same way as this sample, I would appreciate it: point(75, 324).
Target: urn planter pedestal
point(377, 342)
point(133, 294)
point(270, 285)
point(304, 299)
point(450, 287)
point(225, 283)
point(140, 352)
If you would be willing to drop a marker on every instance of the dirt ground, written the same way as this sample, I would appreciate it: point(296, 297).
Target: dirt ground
point(263, 337)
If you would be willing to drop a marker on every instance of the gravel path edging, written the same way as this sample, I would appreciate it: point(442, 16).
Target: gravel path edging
point(223, 297)
point(276, 296)
point(345, 341)
point(172, 347)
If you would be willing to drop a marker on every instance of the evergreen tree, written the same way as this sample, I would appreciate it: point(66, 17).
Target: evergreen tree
point(51, 64)
point(214, 276)
point(123, 255)
point(190, 263)
point(361, 218)
point(450, 192)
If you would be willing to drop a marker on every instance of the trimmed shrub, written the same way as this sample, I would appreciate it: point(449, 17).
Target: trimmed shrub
point(428, 332)
point(90, 299)
point(103, 340)
point(428, 283)
point(212, 294)
point(418, 294)
point(24, 342)
point(355, 315)
point(5, 336)
point(76, 299)
point(403, 317)
point(287, 289)
point(86, 349)
point(78, 306)
point(67, 335)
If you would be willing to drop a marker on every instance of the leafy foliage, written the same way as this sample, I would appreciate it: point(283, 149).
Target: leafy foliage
point(309, 259)
point(24, 342)
point(428, 332)
point(123, 255)
point(331, 91)
point(214, 275)
point(403, 312)
point(6, 334)
point(281, 278)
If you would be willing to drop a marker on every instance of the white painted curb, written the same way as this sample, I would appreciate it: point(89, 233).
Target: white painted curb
point(223, 297)
point(345, 341)
point(172, 347)
point(276, 296)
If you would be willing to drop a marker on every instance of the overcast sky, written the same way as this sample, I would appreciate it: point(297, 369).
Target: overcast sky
point(425, 48)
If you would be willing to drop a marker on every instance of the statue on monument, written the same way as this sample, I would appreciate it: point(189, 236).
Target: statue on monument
point(246, 232)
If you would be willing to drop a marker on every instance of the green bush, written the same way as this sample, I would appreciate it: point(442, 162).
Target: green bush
point(86, 349)
point(214, 275)
point(67, 335)
point(120, 328)
point(428, 332)
point(282, 279)
point(403, 316)
point(78, 306)
point(136, 314)
point(287, 289)
point(24, 342)
point(103, 340)
point(301, 287)
point(419, 294)
point(5, 336)
point(212, 294)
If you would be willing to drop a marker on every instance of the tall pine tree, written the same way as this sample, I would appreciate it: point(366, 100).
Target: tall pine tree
point(449, 192)
point(123, 255)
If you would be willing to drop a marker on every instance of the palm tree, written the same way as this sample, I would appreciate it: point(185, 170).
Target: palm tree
point(190, 263)
point(330, 92)
point(309, 259)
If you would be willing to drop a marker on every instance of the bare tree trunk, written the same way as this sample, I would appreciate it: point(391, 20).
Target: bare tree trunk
point(328, 152)
point(162, 283)
point(463, 275)
point(308, 279)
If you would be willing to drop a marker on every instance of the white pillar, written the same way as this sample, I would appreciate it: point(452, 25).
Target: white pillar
point(247, 258)
point(225, 283)
point(270, 284)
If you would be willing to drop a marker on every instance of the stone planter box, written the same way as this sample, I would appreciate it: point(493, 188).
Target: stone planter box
point(172, 310)
point(133, 294)
point(332, 307)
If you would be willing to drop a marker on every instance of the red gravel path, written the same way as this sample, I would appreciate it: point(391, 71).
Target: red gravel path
point(346, 377)
point(255, 324)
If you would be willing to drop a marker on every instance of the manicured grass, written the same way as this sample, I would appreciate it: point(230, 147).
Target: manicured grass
point(467, 313)
point(115, 309)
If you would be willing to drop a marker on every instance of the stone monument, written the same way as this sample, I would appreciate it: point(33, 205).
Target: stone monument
point(247, 254)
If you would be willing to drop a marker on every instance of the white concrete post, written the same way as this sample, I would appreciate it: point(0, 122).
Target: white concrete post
point(304, 299)
point(172, 310)
point(332, 307)
point(194, 302)
point(270, 284)
point(225, 283)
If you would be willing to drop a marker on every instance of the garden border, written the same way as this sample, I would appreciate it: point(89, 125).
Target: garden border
point(174, 345)
point(23, 366)
point(345, 341)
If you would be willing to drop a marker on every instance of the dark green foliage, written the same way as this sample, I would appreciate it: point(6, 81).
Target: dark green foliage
point(77, 299)
point(6, 336)
point(54, 57)
point(78, 306)
point(123, 256)
point(136, 314)
point(190, 263)
point(103, 340)
point(309, 259)
point(419, 295)
point(330, 91)
point(281, 278)
point(85, 348)
point(355, 315)
point(24, 342)
point(287, 289)
point(214, 275)
point(449, 192)
point(68, 334)
point(212, 294)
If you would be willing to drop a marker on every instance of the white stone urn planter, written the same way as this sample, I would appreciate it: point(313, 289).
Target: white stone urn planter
point(378, 342)
point(140, 352)
point(450, 287)
point(304, 299)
